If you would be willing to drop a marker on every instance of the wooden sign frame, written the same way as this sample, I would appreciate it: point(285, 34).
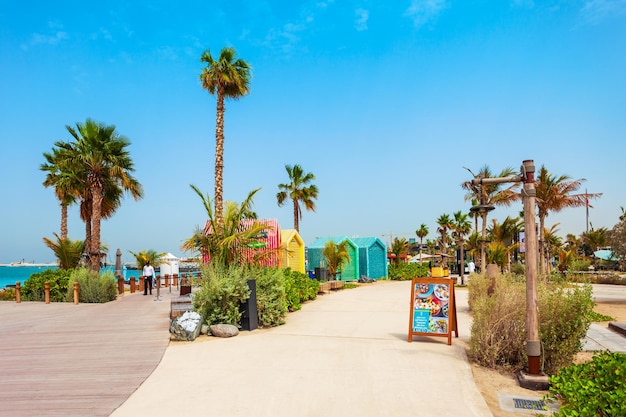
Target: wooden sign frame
point(433, 308)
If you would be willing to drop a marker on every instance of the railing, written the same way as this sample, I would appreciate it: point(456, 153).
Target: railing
point(169, 281)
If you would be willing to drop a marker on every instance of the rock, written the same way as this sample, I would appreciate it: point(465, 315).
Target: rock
point(224, 330)
point(187, 326)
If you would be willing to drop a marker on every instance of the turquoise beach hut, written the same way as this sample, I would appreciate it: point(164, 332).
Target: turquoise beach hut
point(372, 257)
point(315, 258)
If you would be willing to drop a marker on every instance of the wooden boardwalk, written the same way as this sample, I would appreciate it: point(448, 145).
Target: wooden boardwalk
point(62, 359)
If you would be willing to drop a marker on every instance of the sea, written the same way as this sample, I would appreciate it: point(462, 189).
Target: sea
point(11, 274)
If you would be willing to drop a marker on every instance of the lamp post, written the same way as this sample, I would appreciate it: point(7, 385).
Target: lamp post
point(534, 378)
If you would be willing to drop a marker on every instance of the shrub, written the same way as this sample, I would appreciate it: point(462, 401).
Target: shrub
point(407, 271)
point(34, 287)
point(299, 288)
point(271, 299)
point(7, 294)
point(499, 329)
point(92, 287)
point(222, 291)
point(518, 268)
point(595, 388)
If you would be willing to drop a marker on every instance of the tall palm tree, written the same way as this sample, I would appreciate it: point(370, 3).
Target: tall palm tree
point(227, 77)
point(100, 156)
point(490, 195)
point(553, 244)
point(298, 191)
point(63, 180)
point(553, 195)
point(595, 239)
point(422, 232)
point(461, 226)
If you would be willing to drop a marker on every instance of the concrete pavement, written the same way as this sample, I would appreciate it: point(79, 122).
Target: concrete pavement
point(345, 354)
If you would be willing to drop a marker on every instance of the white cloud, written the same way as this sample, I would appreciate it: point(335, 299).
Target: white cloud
point(422, 11)
point(595, 11)
point(361, 19)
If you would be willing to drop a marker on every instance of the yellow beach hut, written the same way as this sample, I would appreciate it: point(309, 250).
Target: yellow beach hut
point(291, 250)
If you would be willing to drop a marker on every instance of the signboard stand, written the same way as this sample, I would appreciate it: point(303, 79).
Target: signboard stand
point(433, 308)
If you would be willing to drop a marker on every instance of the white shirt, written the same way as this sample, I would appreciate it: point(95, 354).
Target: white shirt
point(148, 271)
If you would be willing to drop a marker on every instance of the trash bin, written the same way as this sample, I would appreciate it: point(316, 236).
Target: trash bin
point(250, 314)
point(321, 274)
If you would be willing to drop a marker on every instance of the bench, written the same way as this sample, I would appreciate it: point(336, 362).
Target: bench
point(327, 286)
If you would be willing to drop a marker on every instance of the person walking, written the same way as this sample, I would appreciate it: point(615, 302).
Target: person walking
point(471, 267)
point(148, 272)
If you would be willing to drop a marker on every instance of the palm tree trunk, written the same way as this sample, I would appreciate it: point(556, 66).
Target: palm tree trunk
point(94, 253)
point(296, 216)
point(63, 221)
point(462, 256)
point(219, 160)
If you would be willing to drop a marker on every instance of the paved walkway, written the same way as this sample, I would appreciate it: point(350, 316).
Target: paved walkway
point(345, 354)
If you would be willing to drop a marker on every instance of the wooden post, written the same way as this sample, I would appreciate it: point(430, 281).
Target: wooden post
point(176, 280)
point(141, 283)
point(167, 280)
point(18, 292)
point(533, 344)
point(132, 284)
point(76, 293)
point(120, 285)
point(46, 287)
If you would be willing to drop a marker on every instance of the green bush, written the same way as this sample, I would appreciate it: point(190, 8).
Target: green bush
point(499, 329)
point(271, 299)
point(222, 291)
point(407, 271)
point(595, 388)
point(34, 287)
point(518, 268)
point(299, 288)
point(7, 294)
point(92, 287)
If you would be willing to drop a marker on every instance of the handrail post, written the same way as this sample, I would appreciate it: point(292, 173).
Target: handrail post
point(46, 287)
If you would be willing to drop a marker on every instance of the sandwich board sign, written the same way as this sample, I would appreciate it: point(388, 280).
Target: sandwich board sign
point(433, 308)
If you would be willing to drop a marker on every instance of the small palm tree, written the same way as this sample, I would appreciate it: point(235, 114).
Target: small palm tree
point(228, 77)
point(490, 195)
point(336, 255)
point(226, 245)
point(298, 191)
point(461, 226)
point(422, 232)
point(65, 183)
point(553, 195)
point(399, 247)
point(150, 255)
point(445, 223)
point(67, 251)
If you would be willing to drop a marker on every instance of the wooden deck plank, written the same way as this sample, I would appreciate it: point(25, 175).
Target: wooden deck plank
point(79, 360)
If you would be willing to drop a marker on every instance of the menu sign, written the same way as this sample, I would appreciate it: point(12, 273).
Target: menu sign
point(433, 309)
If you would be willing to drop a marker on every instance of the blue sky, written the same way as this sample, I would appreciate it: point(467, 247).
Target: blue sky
point(384, 102)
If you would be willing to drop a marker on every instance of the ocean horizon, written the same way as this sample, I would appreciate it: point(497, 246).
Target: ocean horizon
point(11, 274)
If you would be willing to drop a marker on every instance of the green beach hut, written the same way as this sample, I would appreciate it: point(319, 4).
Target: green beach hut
point(372, 257)
point(315, 258)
